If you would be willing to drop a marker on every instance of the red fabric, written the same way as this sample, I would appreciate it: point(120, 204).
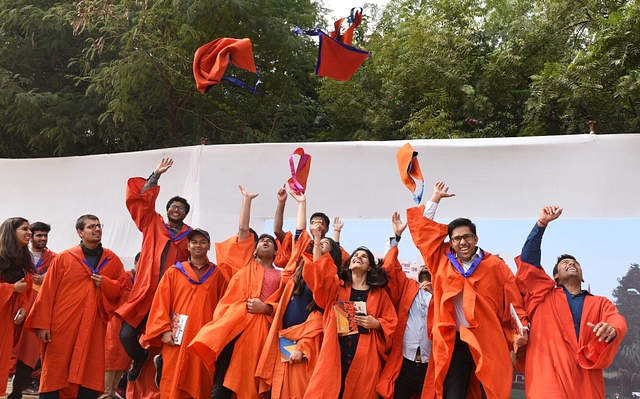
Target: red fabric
point(114, 354)
point(337, 59)
point(28, 348)
point(487, 295)
point(557, 363)
point(184, 375)
point(76, 312)
point(409, 166)
point(10, 302)
point(145, 387)
point(155, 237)
point(301, 172)
point(283, 379)
point(372, 349)
point(231, 320)
point(211, 60)
point(284, 250)
point(402, 291)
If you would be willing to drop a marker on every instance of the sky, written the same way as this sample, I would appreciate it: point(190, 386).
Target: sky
point(605, 248)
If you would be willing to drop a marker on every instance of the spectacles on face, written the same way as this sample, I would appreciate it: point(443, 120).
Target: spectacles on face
point(565, 262)
point(466, 238)
point(177, 208)
point(94, 226)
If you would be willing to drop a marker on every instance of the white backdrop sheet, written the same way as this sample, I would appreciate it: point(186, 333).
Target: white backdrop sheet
point(591, 176)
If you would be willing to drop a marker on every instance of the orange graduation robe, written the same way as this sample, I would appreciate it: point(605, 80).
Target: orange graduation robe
point(10, 302)
point(160, 249)
point(373, 347)
point(283, 379)
point(232, 320)
point(28, 347)
point(76, 312)
point(487, 295)
point(557, 363)
point(115, 356)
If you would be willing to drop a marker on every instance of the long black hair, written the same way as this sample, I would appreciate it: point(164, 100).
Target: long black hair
point(298, 288)
point(15, 261)
point(376, 277)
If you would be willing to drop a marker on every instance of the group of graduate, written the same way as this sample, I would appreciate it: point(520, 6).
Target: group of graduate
point(192, 328)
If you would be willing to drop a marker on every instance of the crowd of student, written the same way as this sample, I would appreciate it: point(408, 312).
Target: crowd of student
point(261, 322)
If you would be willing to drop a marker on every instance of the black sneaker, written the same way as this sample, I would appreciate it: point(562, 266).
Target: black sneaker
point(157, 360)
point(136, 367)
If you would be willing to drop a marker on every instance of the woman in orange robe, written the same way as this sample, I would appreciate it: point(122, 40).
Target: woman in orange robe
point(16, 269)
point(353, 360)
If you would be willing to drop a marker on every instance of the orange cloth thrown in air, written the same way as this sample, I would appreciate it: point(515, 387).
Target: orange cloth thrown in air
point(487, 295)
point(286, 380)
point(156, 236)
point(115, 357)
point(211, 60)
point(76, 312)
point(402, 291)
point(373, 347)
point(184, 375)
point(10, 302)
point(231, 320)
point(409, 169)
point(557, 363)
point(28, 348)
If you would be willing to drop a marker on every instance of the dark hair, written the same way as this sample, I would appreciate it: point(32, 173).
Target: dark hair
point(321, 215)
point(376, 277)
point(270, 237)
point(424, 274)
point(335, 252)
point(255, 236)
point(80, 222)
point(137, 258)
point(40, 226)
point(15, 262)
point(560, 259)
point(459, 222)
point(177, 198)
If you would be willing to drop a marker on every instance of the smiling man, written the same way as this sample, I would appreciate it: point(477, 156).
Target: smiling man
point(472, 292)
point(163, 245)
point(574, 335)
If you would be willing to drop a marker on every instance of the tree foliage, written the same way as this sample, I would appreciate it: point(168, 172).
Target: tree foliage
point(627, 361)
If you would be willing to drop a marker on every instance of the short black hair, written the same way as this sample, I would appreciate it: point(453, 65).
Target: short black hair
point(424, 274)
point(270, 237)
point(376, 277)
point(177, 198)
point(459, 222)
point(137, 258)
point(324, 217)
point(560, 259)
point(40, 226)
point(80, 222)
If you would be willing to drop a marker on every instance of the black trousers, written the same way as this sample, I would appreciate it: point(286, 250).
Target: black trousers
point(456, 383)
point(129, 339)
point(83, 393)
point(21, 380)
point(222, 364)
point(410, 379)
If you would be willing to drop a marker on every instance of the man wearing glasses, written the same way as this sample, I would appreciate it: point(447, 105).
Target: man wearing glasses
point(574, 335)
point(70, 315)
point(473, 291)
point(163, 245)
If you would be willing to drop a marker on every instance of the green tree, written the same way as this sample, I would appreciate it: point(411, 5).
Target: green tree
point(627, 362)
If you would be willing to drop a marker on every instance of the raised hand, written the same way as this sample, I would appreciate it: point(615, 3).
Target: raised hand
point(338, 224)
point(316, 230)
point(163, 166)
point(246, 194)
point(282, 193)
point(398, 226)
point(548, 214)
point(440, 190)
point(298, 197)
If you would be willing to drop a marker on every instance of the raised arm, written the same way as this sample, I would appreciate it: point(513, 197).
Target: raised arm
point(531, 252)
point(301, 216)
point(279, 217)
point(162, 167)
point(245, 214)
point(392, 266)
point(337, 228)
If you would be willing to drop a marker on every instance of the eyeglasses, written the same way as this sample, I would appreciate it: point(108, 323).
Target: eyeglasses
point(177, 208)
point(466, 238)
point(94, 226)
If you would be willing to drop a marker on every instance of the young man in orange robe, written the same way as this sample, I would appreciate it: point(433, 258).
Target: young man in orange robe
point(71, 312)
point(27, 350)
point(473, 289)
point(406, 368)
point(163, 245)
point(231, 343)
point(574, 335)
point(192, 289)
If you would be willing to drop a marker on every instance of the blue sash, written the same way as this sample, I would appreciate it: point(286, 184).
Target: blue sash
point(456, 263)
point(179, 236)
point(192, 281)
point(100, 266)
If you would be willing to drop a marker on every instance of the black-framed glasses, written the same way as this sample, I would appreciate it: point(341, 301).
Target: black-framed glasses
point(94, 226)
point(466, 238)
point(177, 208)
